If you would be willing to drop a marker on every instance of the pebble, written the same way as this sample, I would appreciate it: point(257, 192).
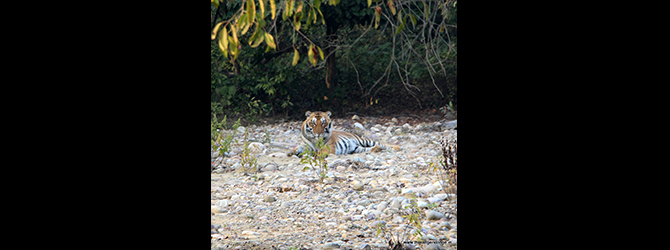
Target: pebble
point(433, 215)
point(269, 198)
point(285, 204)
point(329, 245)
point(269, 167)
point(395, 204)
point(216, 209)
point(256, 148)
point(357, 186)
point(382, 206)
point(240, 129)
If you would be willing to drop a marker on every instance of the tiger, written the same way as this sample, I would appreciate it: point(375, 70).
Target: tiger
point(318, 125)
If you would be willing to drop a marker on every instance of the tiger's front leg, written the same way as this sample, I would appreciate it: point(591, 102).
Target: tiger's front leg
point(297, 151)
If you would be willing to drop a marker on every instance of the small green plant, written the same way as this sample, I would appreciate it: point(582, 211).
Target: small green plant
point(413, 215)
point(220, 140)
point(249, 163)
point(317, 160)
point(267, 136)
point(448, 111)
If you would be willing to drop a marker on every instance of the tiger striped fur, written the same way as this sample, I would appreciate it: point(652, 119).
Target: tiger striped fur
point(318, 125)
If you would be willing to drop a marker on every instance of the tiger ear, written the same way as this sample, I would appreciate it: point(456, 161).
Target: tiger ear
point(308, 113)
point(328, 113)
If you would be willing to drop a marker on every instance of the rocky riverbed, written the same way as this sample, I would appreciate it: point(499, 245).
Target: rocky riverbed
point(284, 207)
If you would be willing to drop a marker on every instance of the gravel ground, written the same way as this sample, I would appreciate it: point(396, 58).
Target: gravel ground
point(283, 207)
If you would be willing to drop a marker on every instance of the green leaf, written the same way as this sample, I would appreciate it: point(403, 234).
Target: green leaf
point(273, 8)
point(402, 24)
point(259, 38)
point(392, 6)
point(323, 20)
point(317, 4)
point(296, 20)
point(251, 11)
point(320, 52)
point(369, 3)
point(296, 57)
point(245, 27)
point(216, 30)
point(270, 41)
point(223, 42)
point(310, 55)
point(311, 15)
point(261, 4)
point(233, 31)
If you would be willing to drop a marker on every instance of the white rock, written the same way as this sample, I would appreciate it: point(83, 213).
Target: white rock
point(355, 117)
point(222, 203)
point(450, 125)
point(241, 129)
point(440, 196)
point(376, 213)
point(216, 209)
point(374, 129)
point(433, 215)
point(418, 128)
point(250, 233)
point(359, 126)
point(434, 200)
point(357, 186)
point(256, 148)
point(277, 155)
point(269, 167)
point(395, 204)
point(329, 245)
point(382, 206)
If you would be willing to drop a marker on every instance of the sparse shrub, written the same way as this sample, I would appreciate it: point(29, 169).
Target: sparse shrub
point(412, 230)
point(249, 163)
point(221, 141)
point(317, 160)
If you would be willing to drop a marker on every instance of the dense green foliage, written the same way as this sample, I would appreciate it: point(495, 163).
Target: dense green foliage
point(406, 63)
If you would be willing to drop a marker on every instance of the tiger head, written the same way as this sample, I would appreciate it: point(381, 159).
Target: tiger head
point(317, 125)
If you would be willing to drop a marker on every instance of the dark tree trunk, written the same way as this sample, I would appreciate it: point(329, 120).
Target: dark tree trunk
point(331, 62)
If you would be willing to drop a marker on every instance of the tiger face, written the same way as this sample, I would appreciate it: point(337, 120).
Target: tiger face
point(317, 125)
